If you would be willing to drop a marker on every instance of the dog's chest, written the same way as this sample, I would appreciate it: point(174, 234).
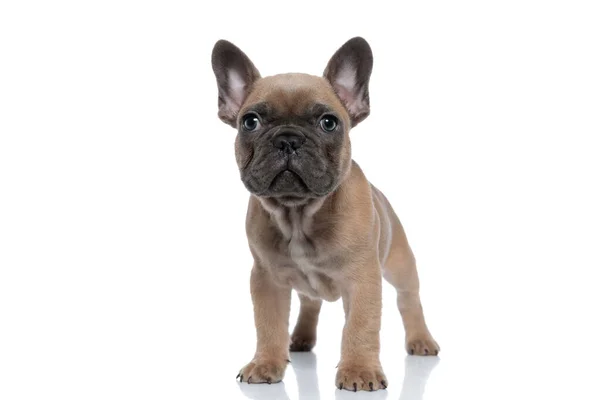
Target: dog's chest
point(307, 274)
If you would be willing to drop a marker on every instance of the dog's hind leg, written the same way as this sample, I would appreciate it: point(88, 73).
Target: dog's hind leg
point(401, 271)
point(304, 336)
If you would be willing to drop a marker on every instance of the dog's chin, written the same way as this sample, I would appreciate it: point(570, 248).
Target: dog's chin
point(288, 183)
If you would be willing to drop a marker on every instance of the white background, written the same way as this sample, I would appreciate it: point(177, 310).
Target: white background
point(123, 260)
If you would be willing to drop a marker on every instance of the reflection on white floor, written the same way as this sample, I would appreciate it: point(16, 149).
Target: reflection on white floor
point(417, 370)
point(304, 366)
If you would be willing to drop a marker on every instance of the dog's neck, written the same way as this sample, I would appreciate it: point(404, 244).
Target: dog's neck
point(275, 204)
point(291, 219)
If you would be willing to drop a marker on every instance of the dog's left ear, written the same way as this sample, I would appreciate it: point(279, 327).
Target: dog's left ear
point(349, 71)
point(235, 75)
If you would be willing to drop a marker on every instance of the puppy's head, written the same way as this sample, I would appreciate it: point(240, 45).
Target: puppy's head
point(293, 141)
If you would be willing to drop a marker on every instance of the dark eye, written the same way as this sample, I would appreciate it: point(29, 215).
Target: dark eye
point(250, 122)
point(328, 123)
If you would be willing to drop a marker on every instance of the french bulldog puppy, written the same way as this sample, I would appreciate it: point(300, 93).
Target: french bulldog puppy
point(315, 224)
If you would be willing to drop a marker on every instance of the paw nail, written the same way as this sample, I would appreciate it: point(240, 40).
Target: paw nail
point(435, 352)
point(241, 378)
point(412, 352)
point(238, 375)
point(354, 384)
point(426, 351)
point(371, 386)
point(249, 378)
point(341, 385)
point(384, 384)
point(289, 361)
point(269, 381)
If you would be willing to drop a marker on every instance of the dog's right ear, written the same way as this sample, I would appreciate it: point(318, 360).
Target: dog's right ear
point(235, 75)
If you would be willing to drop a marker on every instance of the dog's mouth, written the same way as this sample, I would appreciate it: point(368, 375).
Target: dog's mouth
point(295, 177)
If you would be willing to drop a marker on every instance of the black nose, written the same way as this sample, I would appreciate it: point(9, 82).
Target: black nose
point(289, 141)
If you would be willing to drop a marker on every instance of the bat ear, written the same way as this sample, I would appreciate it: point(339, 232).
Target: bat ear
point(235, 75)
point(349, 71)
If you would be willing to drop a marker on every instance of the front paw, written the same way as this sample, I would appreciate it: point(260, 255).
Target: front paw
point(263, 371)
point(360, 376)
point(422, 344)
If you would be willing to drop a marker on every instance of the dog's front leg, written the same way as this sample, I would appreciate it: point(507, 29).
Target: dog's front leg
point(271, 317)
point(359, 367)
